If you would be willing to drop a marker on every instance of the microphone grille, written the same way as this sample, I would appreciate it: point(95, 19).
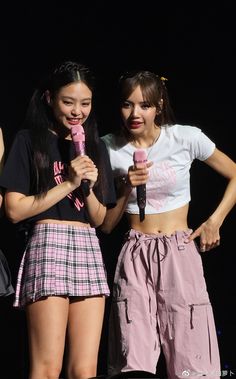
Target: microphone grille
point(140, 156)
point(77, 133)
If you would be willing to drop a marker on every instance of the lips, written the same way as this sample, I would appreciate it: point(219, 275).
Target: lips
point(135, 125)
point(74, 122)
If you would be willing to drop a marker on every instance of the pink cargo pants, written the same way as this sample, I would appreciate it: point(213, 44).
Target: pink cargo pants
point(160, 301)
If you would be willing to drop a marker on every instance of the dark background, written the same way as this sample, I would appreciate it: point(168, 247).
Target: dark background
point(193, 45)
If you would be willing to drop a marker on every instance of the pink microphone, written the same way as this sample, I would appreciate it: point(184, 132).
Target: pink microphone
point(78, 138)
point(140, 158)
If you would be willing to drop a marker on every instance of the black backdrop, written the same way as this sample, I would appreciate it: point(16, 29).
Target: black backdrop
point(190, 43)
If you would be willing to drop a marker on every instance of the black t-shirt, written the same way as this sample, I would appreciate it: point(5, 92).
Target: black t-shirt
point(18, 175)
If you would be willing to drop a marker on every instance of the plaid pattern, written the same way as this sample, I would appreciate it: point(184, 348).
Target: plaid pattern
point(61, 260)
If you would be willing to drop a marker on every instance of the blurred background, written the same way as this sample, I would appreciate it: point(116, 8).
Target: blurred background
point(190, 43)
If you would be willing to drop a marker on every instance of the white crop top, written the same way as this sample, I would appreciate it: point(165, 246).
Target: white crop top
point(168, 186)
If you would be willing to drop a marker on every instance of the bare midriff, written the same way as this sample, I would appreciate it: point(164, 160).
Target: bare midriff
point(65, 222)
point(165, 223)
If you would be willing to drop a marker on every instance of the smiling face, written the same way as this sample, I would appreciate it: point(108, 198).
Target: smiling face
point(138, 115)
point(71, 105)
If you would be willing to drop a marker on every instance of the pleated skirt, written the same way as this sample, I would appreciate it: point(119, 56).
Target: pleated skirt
point(61, 260)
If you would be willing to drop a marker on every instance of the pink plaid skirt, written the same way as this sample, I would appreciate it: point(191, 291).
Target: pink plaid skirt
point(60, 260)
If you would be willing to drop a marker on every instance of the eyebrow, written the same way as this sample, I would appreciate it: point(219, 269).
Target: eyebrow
point(140, 102)
point(72, 98)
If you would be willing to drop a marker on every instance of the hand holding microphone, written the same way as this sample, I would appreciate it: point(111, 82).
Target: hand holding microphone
point(78, 138)
point(140, 158)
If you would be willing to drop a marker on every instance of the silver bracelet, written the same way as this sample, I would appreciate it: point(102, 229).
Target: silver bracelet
point(124, 179)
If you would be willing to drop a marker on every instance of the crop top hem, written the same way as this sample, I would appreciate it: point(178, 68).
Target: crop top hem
point(154, 211)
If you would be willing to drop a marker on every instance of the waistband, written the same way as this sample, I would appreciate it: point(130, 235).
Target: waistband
point(60, 228)
point(138, 240)
point(178, 235)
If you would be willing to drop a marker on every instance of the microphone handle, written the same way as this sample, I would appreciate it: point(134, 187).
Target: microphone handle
point(140, 158)
point(141, 214)
point(80, 150)
point(79, 147)
point(141, 200)
point(85, 187)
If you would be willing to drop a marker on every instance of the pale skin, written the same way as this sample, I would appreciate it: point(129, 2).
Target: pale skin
point(54, 320)
point(139, 120)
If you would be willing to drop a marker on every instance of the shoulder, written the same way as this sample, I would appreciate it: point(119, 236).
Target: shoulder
point(23, 134)
point(108, 139)
point(22, 141)
point(22, 137)
point(113, 141)
point(102, 145)
point(183, 131)
point(185, 135)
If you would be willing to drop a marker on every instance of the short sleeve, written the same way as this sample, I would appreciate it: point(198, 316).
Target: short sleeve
point(202, 147)
point(107, 195)
point(16, 172)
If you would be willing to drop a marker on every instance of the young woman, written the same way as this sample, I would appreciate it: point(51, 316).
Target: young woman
point(61, 282)
point(160, 299)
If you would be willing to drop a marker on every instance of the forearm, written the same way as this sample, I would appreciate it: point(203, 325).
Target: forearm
point(114, 215)
point(96, 210)
point(227, 203)
point(20, 207)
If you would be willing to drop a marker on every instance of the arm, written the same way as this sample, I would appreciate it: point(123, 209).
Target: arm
point(20, 207)
point(208, 231)
point(96, 210)
point(114, 215)
point(135, 177)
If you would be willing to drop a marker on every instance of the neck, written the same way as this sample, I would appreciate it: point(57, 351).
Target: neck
point(146, 141)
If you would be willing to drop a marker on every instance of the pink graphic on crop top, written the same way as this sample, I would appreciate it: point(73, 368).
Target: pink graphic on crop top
point(162, 179)
point(60, 175)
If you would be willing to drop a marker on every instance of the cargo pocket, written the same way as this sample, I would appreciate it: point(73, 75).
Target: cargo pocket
point(203, 339)
point(119, 322)
point(194, 340)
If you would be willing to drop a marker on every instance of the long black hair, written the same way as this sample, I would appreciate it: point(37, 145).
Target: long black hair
point(40, 118)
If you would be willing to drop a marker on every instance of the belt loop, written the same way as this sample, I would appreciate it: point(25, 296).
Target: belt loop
point(180, 240)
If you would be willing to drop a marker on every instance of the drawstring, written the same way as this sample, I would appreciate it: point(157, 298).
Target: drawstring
point(161, 257)
point(138, 243)
point(191, 306)
point(136, 246)
point(191, 315)
point(162, 246)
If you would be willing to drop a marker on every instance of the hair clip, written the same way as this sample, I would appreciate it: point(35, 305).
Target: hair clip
point(163, 79)
point(78, 75)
